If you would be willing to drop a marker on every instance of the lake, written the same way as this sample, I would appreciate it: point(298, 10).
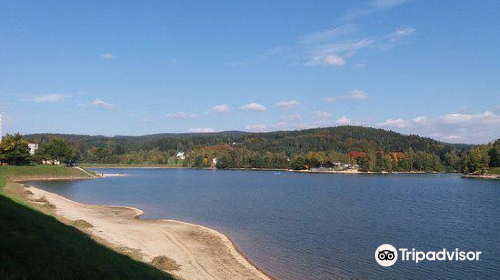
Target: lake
point(320, 226)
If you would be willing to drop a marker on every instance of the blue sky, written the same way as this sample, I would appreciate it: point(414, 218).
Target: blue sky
point(140, 67)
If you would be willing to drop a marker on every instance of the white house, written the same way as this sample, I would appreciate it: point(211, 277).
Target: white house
point(180, 155)
point(33, 147)
point(51, 162)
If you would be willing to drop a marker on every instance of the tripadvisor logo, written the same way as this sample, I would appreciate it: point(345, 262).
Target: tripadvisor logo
point(387, 255)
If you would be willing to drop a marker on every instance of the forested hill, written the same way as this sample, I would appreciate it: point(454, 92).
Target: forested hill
point(281, 149)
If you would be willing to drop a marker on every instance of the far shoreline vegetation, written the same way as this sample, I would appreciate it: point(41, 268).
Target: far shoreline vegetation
point(334, 149)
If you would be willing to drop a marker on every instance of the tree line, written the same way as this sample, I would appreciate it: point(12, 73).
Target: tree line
point(369, 149)
point(14, 150)
point(481, 159)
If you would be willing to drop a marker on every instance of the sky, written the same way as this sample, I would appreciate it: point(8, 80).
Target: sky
point(430, 67)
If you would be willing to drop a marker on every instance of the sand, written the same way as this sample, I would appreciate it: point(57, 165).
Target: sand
point(185, 250)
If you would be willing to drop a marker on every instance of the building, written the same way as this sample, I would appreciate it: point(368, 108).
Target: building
point(51, 162)
point(180, 155)
point(33, 147)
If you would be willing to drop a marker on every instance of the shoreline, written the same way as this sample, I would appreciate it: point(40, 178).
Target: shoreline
point(348, 171)
point(185, 250)
point(139, 166)
point(489, 177)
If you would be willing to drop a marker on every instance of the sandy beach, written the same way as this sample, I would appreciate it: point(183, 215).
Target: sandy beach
point(185, 250)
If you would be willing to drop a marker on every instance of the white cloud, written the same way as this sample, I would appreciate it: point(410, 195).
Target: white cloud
point(333, 46)
point(305, 126)
point(401, 32)
point(292, 118)
point(456, 127)
point(201, 130)
point(287, 104)
point(394, 39)
point(400, 123)
point(223, 108)
point(486, 117)
point(420, 120)
point(396, 123)
point(351, 95)
point(256, 128)
point(321, 115)
point(347, 47)
point(344, 121)
point(457, 118)
point(452, 138)
point(253, 107)
point(103, 104)
point(48, 98)
point(334, 50)
point(356, 95)
point(326, 60)
point(180, 115)
point(107, 55)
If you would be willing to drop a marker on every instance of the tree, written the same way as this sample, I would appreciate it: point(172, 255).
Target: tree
point(56, 149)
point(337, 157)
point(201, 162)
point(315, 159)
point(452, 160)
point(476, 161)
point(386, 163)
point(364, 164)
point(299, 163)
point(494, 154)
point(223, 162)
point(14, 150)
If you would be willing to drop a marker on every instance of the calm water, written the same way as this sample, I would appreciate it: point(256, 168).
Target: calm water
point(320, 226)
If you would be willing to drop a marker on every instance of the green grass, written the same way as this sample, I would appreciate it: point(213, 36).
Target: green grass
point(36, 246)
point(494, 171)
point(12, 171)
point(39, 247)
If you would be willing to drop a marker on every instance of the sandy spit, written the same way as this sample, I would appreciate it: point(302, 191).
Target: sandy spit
point(494, 177)
point(185, 250)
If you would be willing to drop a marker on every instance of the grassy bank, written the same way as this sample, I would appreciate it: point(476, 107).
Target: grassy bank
point(40, 171)
point(37, 246)
point(494, 171)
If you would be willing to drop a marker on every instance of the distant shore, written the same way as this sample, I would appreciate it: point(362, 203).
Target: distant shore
point(318, 171)
point(491, 177)
point(185, 250)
